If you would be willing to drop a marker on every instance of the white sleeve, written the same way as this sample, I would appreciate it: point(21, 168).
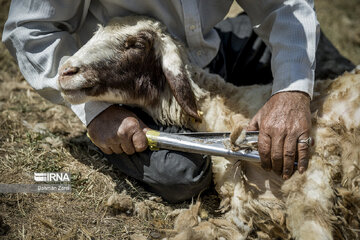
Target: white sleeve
point(38, 33)
point(291, 30)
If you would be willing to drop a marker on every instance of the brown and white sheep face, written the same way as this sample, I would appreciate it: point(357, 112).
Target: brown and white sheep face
point(130, 61)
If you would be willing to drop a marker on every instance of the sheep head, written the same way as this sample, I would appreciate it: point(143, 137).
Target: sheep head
point(129, 61)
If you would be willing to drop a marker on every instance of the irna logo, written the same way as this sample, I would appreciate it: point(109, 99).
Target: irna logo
point(52, 177)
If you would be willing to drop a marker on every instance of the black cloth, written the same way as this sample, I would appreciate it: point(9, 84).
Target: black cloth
point(243, 58)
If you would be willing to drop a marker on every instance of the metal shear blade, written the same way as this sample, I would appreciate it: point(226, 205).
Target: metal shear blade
point(209, 143)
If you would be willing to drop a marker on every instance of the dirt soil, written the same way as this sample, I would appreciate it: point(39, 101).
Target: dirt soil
point(37, 136)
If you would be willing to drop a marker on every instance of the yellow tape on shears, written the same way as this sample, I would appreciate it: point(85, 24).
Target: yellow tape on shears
point(152, 137)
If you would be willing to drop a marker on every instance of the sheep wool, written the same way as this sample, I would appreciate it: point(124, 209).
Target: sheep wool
point(152, 71)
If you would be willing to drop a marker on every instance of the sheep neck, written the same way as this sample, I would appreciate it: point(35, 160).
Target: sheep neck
point(222, 105)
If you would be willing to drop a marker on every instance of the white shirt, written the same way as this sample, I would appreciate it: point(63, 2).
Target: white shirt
point(39, 33)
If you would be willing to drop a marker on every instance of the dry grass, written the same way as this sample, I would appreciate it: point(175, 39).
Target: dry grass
point(37, 136)
point(340, 22)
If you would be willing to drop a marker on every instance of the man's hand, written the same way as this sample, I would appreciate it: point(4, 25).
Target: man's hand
point(117, 130)
point(282, 121)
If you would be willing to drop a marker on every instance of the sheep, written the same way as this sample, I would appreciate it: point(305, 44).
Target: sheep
point(134, 61)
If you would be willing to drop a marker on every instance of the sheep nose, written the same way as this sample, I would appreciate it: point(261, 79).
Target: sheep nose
point(68, 71)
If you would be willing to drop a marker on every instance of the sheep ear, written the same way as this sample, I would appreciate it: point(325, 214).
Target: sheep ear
point(183, 93)
point(177, 78)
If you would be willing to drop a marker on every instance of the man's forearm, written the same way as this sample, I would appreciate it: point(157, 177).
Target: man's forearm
point(291, 30)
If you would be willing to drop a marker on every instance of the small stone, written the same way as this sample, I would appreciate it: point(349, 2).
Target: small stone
point(155, 235)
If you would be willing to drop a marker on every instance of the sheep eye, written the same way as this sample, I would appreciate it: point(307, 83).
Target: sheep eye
point(140, 45)
point(136, 42)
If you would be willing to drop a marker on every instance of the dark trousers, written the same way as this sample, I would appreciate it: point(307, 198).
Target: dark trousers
point(175, 176)
point(243, 59)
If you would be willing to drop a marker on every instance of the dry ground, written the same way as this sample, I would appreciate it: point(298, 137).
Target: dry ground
point(37, 136)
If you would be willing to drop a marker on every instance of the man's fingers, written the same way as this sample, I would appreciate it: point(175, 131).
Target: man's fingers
point(139, 141)
point(277, 146)
point(127, 146)
point(106, 150)
point(289, 155)
point(303, 153)
point(254, 124)
point(264, 143)
point(116, 149)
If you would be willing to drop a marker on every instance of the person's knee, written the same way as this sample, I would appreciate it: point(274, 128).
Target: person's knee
point(179, 176)
point(175, 176)
point(175, 192)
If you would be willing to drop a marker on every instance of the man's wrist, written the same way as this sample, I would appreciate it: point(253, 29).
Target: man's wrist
point(300, 93)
